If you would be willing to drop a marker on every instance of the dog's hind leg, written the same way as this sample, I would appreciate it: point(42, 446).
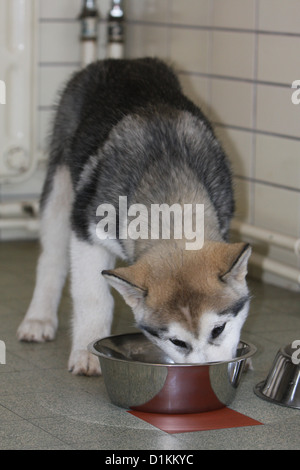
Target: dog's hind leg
point(40, 321)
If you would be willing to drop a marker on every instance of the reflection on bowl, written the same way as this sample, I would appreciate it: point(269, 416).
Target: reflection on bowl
point(139, 376)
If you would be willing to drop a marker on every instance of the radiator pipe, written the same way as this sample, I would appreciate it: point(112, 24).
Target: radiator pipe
point(19, 208)
point(268, 236)
point(32, 225)
point(89, 18)
point(115, 46)
point(275, 267)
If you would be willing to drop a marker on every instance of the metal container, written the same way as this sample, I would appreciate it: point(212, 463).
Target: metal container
point(139, 376)
point(282, 385)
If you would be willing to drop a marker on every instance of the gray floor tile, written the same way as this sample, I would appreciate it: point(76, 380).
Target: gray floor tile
point(7, 416)
point(79, 433)
point(24, 435)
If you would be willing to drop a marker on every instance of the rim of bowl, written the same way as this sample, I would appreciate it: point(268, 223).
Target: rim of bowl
point(91, 348)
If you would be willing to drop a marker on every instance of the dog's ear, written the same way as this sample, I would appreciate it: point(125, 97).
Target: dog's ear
point(125, 282)
point(237, 257)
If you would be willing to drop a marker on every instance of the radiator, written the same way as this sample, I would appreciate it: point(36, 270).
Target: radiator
point(18, 75)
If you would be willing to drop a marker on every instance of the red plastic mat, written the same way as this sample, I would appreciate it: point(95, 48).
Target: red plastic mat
point(218, 419)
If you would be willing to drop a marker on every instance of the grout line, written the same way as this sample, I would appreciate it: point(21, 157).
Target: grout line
point(210, 57)
point(216, 124)
point(59, 64)
point(254, 117)
point(188, 72)
point(66, 20)
point(17, 197)
point(236, 79)
point(267, 183)
point(9, 409)
point(50, 107)
point(182, 26)
point(257, 131)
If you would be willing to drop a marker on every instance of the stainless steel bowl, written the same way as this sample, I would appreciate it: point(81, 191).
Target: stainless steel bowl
point(139, 376)
point(282, 385)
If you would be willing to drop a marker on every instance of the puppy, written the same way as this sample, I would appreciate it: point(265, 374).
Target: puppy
point(124, 132)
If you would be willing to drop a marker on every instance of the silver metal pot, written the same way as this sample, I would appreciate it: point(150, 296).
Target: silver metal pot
point(282, 385)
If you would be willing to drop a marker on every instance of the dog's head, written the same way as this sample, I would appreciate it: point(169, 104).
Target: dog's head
point(192, 304)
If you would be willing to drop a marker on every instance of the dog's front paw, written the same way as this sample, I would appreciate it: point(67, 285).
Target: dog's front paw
point(82, 362)
point(37, 331)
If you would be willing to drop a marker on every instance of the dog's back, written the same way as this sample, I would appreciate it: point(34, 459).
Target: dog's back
point(98, 97)
point(95, 102)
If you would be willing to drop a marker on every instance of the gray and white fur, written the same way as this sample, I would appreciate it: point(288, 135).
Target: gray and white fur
point(122, 128)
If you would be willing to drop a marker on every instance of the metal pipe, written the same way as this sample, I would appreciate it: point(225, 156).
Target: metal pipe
point(275, 267)
point(18, 159)
point(115, 47)
point(29, 224)
point(89, 18)
point(277, 239)
point(19, 208)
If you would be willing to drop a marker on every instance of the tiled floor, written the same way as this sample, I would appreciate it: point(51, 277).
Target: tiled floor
point(42, 406)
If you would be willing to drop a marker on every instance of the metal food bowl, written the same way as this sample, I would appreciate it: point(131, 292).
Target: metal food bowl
point(282, 385)
point(139, 376)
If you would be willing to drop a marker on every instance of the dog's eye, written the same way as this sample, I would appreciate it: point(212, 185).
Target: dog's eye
point(217, 331)
point(179, 343)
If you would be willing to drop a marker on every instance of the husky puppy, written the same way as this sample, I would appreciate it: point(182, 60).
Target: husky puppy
point(124, 128)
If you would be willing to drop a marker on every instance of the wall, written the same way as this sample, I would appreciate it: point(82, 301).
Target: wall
point(237, 59)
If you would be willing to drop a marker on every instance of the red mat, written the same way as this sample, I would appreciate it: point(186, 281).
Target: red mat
point(219, 419)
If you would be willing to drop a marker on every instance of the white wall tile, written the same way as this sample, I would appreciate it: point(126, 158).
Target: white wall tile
point(70, 9)
point(143, 40)
point(277, 209)
point(191, 12)
point(189, 49)
point(232, 102)
point(277, 58)
point(59, 42)
point(239, 147)
point(52, 81)
point(197, 89)
point(233, 54)
point(279, 15)
point(147, 10)
point(67, 9)
point(278, 160)
point(234, 14)
point(242, 196)
point(276, 112)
